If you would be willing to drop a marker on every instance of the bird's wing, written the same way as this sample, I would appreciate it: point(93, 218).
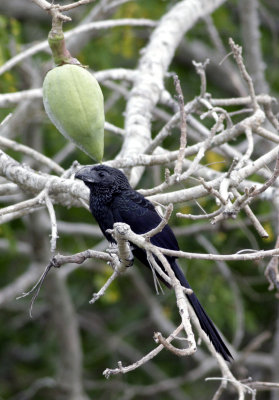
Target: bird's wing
point(135, 210)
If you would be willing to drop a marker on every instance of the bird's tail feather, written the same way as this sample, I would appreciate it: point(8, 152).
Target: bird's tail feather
point(205, 322)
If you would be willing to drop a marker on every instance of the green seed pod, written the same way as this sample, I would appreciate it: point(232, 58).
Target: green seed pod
point(74, 102)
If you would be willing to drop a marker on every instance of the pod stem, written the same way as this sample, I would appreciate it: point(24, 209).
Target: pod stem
point(57, 44)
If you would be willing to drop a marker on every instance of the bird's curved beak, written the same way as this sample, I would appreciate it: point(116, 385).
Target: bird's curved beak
point(85, 174)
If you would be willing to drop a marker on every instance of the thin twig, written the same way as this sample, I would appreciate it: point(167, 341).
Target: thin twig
point(158, 337)
point(183, 127)
point(157, 271)
point(161, 225)
point(201, 216)
point(52, 216)
point(272, 271)
point(269, 113)
point(213, 191)
point(200, 69)
point(103, 289)
point(26, 204)
point(57, 261)
point(68, 7)
point(250, 147)
point(245, 388)
point(237, 52)
point(107, 24)
point(42, 159)
point(36, 288)
point(190, 107)
point(123, 370)
point(78, 258)
point(256, 223)
point(52, 9)
point(269, 182)
point(248, 256)
point(257, 385)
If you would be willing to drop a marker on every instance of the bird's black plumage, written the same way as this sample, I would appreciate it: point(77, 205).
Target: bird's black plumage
point(113, 200)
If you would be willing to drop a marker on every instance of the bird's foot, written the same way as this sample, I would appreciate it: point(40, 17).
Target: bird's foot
point(112, 249)
point(129, 262)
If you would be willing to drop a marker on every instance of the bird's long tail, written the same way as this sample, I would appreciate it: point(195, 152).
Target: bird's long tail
point(205, 322)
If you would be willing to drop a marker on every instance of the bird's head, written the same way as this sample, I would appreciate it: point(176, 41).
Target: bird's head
point(103, 178)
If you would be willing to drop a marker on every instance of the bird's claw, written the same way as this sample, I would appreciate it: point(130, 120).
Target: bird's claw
point(113, 249)
point(129, 262)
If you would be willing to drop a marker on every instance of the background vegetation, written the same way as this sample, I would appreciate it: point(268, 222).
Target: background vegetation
point(36, 359)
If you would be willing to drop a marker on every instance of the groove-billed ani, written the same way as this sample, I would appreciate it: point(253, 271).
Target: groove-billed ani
point(113, 200)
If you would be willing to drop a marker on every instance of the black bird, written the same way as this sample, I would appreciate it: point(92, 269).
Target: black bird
point(113, 200)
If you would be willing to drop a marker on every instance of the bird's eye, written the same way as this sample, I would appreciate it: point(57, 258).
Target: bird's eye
point(101, 174)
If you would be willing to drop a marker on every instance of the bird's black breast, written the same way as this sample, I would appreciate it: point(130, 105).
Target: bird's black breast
point(102, 212)
point(132, 208)
point(135, 210)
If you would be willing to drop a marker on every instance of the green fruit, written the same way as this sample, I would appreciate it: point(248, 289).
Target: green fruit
point(74, 102)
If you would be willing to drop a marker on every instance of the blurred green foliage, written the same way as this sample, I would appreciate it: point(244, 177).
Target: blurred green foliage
point(28, 347)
